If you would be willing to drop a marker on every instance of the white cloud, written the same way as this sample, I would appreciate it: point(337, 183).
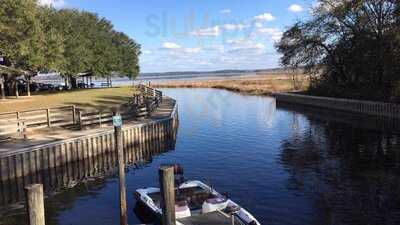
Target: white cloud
point(243, 44)
point(176, 49)
point(246, 50)
point(234, 26)
point(214, 48)
point(225, 11)
point(258, 25)
point(146, 52)
point(170, 45)
point(53, 3)
point(212, 31)
point(265, 17)
point(192, 50)
point(273, 33)
point(295, 8)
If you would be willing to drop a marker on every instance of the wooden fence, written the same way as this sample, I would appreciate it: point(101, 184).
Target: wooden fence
point(355, 106)
point(62, 163)
point(40, 118)
point(150, 91)
point(18, 122)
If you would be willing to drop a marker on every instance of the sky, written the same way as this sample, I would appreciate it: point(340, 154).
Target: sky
point(200, 35)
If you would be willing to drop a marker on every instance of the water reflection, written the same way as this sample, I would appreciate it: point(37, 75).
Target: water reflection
point(287, 165)
point(351, 174)
point(64, 189)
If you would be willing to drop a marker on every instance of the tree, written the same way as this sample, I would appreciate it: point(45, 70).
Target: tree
point(92, 45)
point(37, 38)
point(351, 46)
point(54, 40)
point(21, 39)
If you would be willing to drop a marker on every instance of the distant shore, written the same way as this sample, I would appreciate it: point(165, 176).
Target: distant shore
point(247, 84)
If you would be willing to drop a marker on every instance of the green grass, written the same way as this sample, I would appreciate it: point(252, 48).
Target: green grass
point(99, 99)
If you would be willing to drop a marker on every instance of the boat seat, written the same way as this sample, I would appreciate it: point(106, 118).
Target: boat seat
point(213, 204)
point(215, 201)
point(197, 200)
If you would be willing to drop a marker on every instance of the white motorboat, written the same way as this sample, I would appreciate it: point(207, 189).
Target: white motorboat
point(196, 203)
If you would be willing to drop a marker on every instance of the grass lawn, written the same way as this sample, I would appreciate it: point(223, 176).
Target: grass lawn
point(87, 98)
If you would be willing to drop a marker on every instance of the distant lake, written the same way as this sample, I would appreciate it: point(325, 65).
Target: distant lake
point(287, 165)
point(124, 81)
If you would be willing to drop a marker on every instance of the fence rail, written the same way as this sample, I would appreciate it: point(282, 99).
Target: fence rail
point(150, 91)
point(362, 107)
point(64, 163)
point(11, 127)
point(19, 121)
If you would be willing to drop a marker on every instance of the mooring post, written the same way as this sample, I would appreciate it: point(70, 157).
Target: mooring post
point(167, 186)
point(117, 121)
point(35, 204)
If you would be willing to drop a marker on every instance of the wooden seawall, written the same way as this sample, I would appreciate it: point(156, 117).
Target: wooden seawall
point(379, 109)
point(64, 163)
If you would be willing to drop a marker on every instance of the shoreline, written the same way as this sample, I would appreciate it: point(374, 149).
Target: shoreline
point(265, 85)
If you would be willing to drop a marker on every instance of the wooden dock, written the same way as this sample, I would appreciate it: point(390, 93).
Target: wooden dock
point(58, 134)
point(58, 157)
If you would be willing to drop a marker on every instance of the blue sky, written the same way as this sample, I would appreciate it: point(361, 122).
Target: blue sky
point(200, 35)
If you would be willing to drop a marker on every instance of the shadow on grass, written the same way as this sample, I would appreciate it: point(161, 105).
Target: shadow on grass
point(104, 103)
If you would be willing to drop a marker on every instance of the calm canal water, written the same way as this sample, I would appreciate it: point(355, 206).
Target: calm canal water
point(285, 165)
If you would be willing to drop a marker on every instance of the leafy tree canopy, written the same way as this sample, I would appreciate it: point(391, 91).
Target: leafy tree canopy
point(352, 47)
point(70, 41)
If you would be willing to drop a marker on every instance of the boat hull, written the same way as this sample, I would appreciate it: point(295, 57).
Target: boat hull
point(143, 198)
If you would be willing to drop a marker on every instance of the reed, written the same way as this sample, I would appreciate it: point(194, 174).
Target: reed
point(253, 85)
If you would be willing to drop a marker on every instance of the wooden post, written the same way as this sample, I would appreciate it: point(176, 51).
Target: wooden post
point(80, 119)
point(73, 114)
point(2, 89)
point(28, 87)
point(100, 119)
point(22, 128)
point(121, 171)
point(16, 88)
point(48, 117)
point(166, 178)
point(35, 204)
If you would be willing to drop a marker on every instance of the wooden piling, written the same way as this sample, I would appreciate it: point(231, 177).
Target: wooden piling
point(166, 177)
point(48, 117)
point(121, 172)
point(35, 204)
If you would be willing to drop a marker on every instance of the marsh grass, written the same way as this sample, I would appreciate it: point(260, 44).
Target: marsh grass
point(255, 85)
